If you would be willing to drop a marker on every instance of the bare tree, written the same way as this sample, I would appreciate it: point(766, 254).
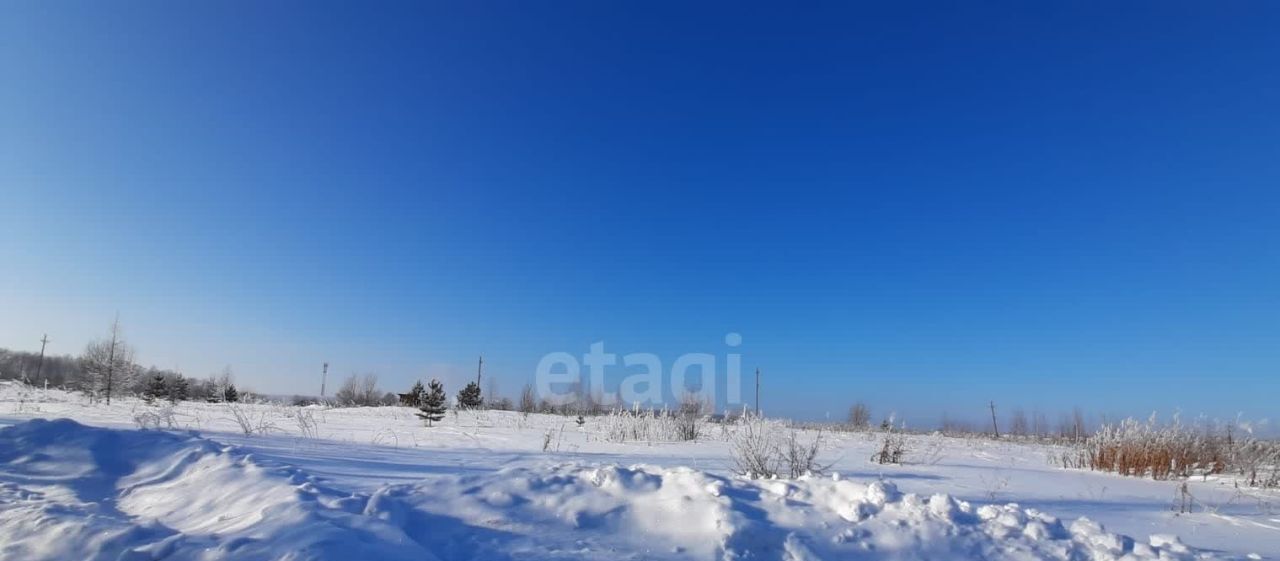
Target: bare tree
point(1018, 423)
point(1077, 424)
point(1039, 424)
point(859, 416)
point(359, 391)
point(528, 400)
point(223, 384)
point(107, 365)
point(491, 392)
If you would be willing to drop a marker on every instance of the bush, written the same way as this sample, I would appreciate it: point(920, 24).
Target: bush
point(755, 450)
point(690, 416)
point(892, 449)
point(894, 446)
point(251, 420)
point(801, 458)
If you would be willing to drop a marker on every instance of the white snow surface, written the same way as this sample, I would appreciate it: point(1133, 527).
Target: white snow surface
point(374, 484)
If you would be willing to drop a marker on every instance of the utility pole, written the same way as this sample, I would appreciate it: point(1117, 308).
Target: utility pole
point(479, 366)
point(994, 428)
point(324, 377)
point(757, 392)
point(40, 365)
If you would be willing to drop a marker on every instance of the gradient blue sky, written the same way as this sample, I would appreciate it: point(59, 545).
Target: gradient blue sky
point(923, 206)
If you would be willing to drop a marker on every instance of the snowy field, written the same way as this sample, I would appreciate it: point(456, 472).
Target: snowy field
point(373, 483)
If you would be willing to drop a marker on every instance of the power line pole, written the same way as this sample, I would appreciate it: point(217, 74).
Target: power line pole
point(994, 428)
point(324, 377)
point(479, 366)
point(757, 392)
point(40, 365)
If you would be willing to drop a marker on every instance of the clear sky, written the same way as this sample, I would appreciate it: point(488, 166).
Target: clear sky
point(923, 206)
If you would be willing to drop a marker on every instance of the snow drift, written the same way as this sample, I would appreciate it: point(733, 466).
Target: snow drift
point(68, 491)
point(597, 512)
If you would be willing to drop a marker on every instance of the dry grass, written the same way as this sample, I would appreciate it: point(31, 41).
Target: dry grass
point(1177, 451)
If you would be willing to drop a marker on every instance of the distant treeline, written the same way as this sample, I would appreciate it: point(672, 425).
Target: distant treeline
point(75, 373)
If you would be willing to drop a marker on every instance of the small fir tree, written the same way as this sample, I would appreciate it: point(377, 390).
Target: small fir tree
point(177, 389)
point(469, 397)
point(431, 405)
point(230, 394)
point(156, 389)
point(415, 394)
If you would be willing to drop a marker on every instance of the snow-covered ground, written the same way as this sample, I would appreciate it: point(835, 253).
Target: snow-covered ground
point(373, 483)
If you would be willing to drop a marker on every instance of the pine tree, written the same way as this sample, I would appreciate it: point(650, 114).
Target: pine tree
point(230, 395)
point(469, 397)
point(415, 394)
point(431, 406)
point(177, 389)
point(156, 389)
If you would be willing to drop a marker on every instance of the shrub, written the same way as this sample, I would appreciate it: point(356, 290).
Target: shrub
point(654, 425)
point(251, 420)
point(690, 416)
point(893, 447)
point(801, 458)
point(755, 450)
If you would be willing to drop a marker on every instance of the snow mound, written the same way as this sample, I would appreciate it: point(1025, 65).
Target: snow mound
point(601, 512)
point(68, 491)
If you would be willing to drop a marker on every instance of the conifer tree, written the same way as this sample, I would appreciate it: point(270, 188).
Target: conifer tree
point(431, 405)
point(156, 389)
point(469, 397)
point(415, 393)
point(230, 395)
point(177, 389)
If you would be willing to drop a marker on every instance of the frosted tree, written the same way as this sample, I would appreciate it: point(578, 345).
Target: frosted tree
point(431, 406)
point(107, 365)
point(223, 382)
point(469, 397)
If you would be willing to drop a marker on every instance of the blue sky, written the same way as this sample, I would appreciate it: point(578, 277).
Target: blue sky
point(922, 206)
